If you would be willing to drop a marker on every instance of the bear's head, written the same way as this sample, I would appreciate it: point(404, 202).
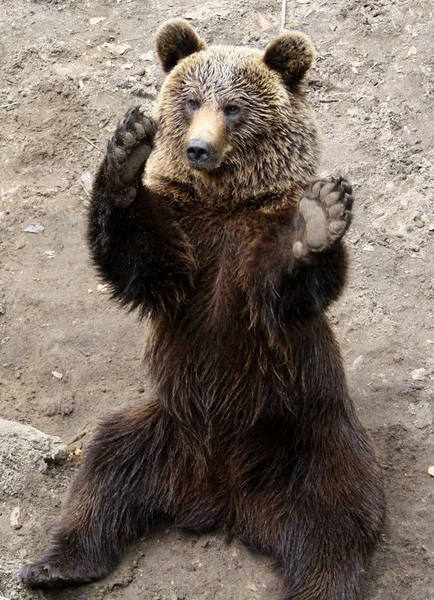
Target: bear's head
point(233, 122)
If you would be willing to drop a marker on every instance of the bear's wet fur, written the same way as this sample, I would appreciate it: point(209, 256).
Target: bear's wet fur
point(232, 249)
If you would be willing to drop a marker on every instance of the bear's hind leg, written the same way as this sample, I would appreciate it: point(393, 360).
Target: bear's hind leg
point(322, 519)
point(121, 490)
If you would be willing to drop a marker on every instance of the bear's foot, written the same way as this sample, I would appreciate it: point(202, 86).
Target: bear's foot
point(44, 574)
point(325, 211)
point(127, 152)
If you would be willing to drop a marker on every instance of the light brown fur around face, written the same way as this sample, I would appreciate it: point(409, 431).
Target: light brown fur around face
point(273, 151)
point(208, 124)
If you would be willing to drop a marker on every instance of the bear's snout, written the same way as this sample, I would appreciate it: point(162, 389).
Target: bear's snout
point(199, 153)
point(207, 139)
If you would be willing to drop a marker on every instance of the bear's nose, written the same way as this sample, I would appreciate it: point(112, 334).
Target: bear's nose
point(198, 152)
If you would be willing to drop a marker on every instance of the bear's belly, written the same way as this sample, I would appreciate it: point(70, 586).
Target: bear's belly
point(220, 374)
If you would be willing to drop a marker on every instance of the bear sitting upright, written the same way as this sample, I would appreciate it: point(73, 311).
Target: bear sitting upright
point(233, 251)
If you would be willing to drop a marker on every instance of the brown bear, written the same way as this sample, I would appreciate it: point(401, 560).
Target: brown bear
point(232, 249)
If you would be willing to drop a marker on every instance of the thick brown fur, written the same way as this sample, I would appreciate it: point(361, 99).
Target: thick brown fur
point(233, 251)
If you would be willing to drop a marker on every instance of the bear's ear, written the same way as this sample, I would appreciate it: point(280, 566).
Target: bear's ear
point(176, 40)
point(291, 55)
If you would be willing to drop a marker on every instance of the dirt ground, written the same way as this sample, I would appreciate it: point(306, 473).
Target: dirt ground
point(69, 69)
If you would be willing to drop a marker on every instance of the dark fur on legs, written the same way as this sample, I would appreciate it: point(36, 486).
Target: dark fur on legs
point(112, 501)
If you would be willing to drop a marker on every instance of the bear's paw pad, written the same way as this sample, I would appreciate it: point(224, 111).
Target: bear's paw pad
point(326, 211)
point(128, 150)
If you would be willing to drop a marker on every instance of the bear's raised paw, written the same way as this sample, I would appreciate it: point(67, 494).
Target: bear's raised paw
point(127, 152)
point(326, 214)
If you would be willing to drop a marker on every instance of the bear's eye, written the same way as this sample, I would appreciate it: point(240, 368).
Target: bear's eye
point(231, 110)
point(192, 104)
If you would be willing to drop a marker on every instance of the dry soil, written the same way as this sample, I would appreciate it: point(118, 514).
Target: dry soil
point(69, 70)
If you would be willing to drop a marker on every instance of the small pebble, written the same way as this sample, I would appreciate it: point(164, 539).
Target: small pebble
point(431, 471)
point(357, 362)
point(149, 56)
point(412, 51)
point(96, 20)
point(15, 518)
point(419, 374)
point(34, 229)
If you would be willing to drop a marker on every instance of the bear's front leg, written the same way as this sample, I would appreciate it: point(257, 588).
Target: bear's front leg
point(293, 266)
point(314, 274)
point(135, 241)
